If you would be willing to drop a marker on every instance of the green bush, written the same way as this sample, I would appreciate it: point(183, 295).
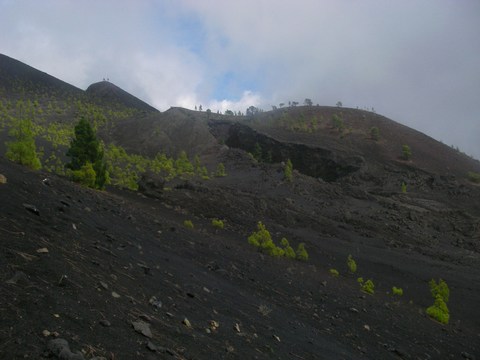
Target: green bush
point(375, 133)
point(352, 265)
point(85, 175)
point(439, 310)
point(289, 252)
point(263, 240)
point(23, 150)
point(397, 291)
point(404, 188)
point(337, 122)
point(474, 177)
point(220, 170)
point(406, 152)
point(334, 272)
point(218, 224)
point(440, 288)
point(188, 224)
point(288, 170)
point(360, 280)
point(301, 252)
point(368, 287)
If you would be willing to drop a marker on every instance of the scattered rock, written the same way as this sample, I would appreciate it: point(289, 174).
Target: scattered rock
point(18, 277)
point(60, 349)
point(236, 327)
point(32, 208)
point(214, 325)
point(354, 310)
point(105, 322)
point(115, 295)
point(187, 323)
point(46, 333)
point(143, 328)
point(468, 356)
point(3, 179)
point(155, 302)
point(103, 285)
point(366, 327)
point(42, 251)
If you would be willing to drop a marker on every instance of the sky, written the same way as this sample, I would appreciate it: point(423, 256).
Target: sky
point(414, 61)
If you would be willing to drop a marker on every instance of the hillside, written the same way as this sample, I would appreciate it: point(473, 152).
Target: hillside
point(118, 274)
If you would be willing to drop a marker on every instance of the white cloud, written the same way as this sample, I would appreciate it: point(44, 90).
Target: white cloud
point(248, 99)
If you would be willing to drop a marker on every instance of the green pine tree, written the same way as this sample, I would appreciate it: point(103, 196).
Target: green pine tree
point(85, 148)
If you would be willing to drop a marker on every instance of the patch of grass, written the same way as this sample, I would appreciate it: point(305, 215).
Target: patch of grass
point(404, 188)
point(301, 252)
point(352, 265)
point(368, 287)
point(218, 224)
point(441, 294)
point(334, 272)
point(474, 177)
point(397, 291)
point(188, 224)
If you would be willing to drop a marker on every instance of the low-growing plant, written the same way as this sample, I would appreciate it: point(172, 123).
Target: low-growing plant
point(406, 152)
point(334, 272)
point(375, 133)
point(352, 265)
point(404, 188)
point(440, 288)
point(474, 177)
point(337, 122)
point(397, 291)
point(301, 253)
point(85, 175)
point(439, 310)
point(368, 287)
point(263, 240)
point(288, 170)
point(218, 224)
point(188, 224)
point(220, 170)
point(360, 280)
point(289, 252)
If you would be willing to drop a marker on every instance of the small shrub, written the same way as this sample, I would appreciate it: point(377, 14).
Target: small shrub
point(337, 122)
point(406, 152)
point(188, 224)
point(301, 253)
point(439, 310)
point(289, 252)
point(368, 287)
point(397, 291)
point(218, 224)
point(360, 280)
point(220, 170)
point(375, 133)
point(474, 177)
point(404, 188)
point(439, 289)
point(85, 176)
point(334, 272)
point(288, 170)
point(352, 265)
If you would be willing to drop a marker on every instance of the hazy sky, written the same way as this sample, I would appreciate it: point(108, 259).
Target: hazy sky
point(417, 62)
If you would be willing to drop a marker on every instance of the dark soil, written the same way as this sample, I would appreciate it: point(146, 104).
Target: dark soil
point(102, 245)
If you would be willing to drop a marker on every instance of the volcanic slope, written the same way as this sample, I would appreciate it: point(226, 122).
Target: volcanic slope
point(117, 274)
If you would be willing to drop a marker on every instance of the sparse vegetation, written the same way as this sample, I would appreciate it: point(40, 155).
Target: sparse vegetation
point(366, 286)
point(288, 170)
point(375, 133)
point(337, 122)
point(406, 152)
point(397, 291)
point(263, 240)
point(352, 265)
point(23, 149)
point(188, 224)
point(220, 170)
point(218, 224)
point(334, 272)
point(441, 294)
point(404, 188)
point(301, 252)
point(474, 177)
